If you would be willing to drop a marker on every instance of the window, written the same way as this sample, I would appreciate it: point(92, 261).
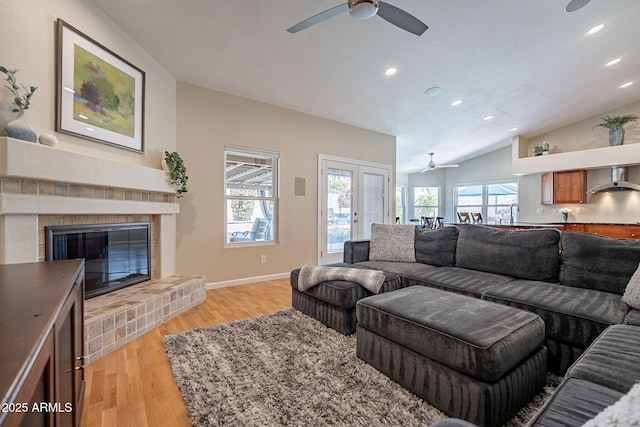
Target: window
point(251, 195)
point(426, 201)
point(401, 192)
point(493, 199)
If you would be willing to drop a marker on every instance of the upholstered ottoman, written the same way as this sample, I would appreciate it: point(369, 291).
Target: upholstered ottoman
point(472, 359)
point(334, 302)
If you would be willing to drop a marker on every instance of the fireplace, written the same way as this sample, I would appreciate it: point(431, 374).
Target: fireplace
point(116, 255)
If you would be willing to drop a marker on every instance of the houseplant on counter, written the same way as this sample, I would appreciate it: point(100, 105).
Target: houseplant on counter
point(177, 172)
point(615, 124)
point(19, 128)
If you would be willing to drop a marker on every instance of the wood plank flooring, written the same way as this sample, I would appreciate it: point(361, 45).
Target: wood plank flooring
point(134, 386)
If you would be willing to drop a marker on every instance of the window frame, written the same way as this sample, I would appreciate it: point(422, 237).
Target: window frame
point(273, 198)
point(484, 206)
point(436, 207)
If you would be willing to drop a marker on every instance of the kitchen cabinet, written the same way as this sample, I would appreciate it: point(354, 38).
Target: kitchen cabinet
point(614, 231)
point(564, 187)
point(574, 227)
point(42, 376)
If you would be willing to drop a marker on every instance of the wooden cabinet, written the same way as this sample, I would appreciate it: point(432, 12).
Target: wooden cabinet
point(564, 187)
point(574, 227)
point(614, 231)
point(41, 313)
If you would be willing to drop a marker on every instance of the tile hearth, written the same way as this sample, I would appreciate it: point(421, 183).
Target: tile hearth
point(114, 319)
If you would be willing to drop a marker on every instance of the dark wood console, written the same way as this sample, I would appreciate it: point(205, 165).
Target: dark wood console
point(42, 343)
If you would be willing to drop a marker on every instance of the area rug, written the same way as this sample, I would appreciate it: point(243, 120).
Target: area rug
point(287, 369)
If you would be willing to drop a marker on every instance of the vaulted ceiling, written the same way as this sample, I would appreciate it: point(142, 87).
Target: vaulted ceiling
point(529, 64)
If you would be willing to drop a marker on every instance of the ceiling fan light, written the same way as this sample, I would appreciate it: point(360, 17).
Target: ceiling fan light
point(363, 9)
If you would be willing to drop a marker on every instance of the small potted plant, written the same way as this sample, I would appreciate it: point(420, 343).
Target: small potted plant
point(177, 172)
point(538, 150)
point(615, 124)
point(565, 213)
point(19, 128)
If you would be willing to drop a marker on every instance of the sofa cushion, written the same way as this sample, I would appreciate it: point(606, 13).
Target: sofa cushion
point(437, 247)
point(522, 254)
point(572, 315)
point(474, 337)
point(454, 279)
point(612, 360)
point(596, 262)
point(633, 317)
point(631, 295)
point(392, 242)
point(399, 268)
point(573, 403)
point(342, 293)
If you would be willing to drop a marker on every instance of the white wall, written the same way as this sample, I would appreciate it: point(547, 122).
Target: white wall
point(27, 43)
point(207, 120)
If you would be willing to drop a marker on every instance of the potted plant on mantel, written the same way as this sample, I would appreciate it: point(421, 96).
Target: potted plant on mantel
point(177, 172)
point(615, 124)
point(19, 128)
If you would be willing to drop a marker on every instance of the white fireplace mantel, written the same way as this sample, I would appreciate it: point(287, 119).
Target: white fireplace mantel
point(19, 210)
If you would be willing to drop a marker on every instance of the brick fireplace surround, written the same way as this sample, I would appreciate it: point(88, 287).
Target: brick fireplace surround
point(42, 186)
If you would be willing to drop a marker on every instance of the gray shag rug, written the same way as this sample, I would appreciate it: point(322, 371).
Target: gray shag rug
point(287, 369)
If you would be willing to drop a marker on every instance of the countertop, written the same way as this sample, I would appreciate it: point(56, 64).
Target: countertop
point(543, 224)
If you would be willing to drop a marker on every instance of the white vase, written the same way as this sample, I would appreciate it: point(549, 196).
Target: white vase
point(19, 128)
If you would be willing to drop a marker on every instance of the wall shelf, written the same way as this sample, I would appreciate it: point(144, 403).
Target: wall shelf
point(595, 158)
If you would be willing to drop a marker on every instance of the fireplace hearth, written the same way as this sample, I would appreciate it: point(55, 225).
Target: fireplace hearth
point(116, 255)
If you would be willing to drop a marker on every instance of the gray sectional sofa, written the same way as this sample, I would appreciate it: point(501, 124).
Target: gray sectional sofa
point(574, 281)
point(576, 291)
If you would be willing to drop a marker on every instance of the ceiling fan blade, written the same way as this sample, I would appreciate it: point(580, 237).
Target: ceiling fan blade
point(320, 17)
point(401, 19)
point(445, 166)
point(575, 5)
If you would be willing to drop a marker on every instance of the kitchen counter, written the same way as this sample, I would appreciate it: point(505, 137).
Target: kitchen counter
point(544, 224)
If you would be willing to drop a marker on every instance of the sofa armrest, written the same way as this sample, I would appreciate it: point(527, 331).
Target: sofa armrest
point(356, 251)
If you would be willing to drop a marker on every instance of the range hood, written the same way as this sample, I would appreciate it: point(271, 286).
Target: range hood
point(618, 182)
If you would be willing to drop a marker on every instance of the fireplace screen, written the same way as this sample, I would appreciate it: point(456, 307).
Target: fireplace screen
point(116, 255)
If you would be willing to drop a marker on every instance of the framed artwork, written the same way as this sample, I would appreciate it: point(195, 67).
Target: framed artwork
point(99, 95)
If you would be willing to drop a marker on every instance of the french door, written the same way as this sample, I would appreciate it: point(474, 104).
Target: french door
point(353, 196)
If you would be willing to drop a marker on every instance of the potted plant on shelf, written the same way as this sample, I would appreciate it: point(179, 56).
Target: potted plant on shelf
point(539, 150)
point(615, 124)
point(177, 172)
point(19, 128)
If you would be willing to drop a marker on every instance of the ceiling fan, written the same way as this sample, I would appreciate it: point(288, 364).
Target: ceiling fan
point(432, 165)
point(364, 9)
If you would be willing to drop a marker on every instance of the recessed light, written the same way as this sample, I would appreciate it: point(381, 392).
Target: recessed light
point(390, 71)
point(456, 102)
point(432, 91)
point(613, 62)
point(627, 84)
point(595, 29)
point(513, 129)
point(486, 118)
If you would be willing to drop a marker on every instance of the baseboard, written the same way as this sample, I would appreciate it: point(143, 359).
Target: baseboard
point(236, 282)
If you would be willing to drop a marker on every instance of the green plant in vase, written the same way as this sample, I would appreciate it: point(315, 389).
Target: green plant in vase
point(177, 172)
point(19, 128)
point(616, 124)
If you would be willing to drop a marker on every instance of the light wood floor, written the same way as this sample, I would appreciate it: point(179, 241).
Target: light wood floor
point(134, 385)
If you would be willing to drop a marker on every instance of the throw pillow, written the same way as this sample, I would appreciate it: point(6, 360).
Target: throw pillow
point(622, 413)
point(631, 295)
point(390, 242)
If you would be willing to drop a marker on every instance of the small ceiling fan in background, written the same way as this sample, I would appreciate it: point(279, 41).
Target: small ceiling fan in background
point(432, 165)
point(364, 9)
